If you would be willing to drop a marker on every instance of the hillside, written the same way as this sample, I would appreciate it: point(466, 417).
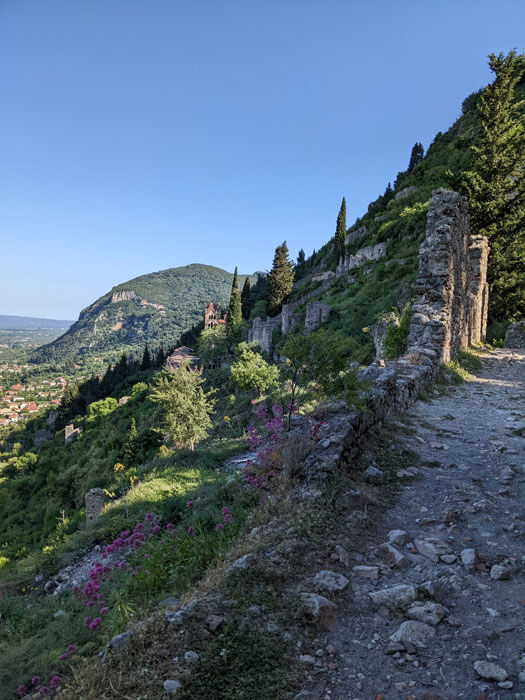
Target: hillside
point(396, 219)
point(156, 308)
point(28, 323)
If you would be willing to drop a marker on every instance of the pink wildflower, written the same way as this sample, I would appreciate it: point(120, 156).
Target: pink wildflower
point(156, 529)
point(149, 517)
point(35, 680)
point(189, 504)
point(219, 527)
point(21, 690)
point(62, 657)
point(104, 611)
point(71, 647)
point(192, 530)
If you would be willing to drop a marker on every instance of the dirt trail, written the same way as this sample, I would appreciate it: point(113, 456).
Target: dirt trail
point(464, 519)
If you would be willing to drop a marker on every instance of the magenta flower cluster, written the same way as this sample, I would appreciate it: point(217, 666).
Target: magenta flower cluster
point(260, 472)
point(44, 691)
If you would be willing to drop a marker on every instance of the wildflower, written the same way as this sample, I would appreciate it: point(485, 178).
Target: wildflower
point(35, 680)
point(189, 504)
point(21, 690)
point(55, 680)
point(227, 419)
point(156, 529)
point(262, 501)
point(219, 527)
point(170, 526)
point(225, 510)
point(62, 657)
point(192, 530)
point(228, 517)
point(104, 611)
point(149, 517)
point(87, 621)
point(71, 647)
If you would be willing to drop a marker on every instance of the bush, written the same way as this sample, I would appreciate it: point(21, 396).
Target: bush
point(395, 342)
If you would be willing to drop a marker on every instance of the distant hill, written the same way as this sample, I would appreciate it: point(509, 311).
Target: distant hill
point(28, 323)
point(156, 308)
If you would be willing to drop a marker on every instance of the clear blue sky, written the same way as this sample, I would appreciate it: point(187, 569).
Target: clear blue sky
point(137, 135)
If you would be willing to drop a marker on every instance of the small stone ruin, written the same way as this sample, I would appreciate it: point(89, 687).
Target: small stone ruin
point(317, 313)
point(94, 505)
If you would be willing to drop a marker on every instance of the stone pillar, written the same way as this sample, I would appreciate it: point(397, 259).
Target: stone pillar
point(478, 254)
point(94, 505)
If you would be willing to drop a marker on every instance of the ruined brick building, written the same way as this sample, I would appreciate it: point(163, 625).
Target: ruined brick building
point(213, 316)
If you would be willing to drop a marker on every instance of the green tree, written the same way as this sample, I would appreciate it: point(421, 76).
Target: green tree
point(234, 317)
point(340, 232)
point(212, 345)
point(146, 359)
point(186, 406)
point(246, 299)
point(317, 364)
point(99, 409)
point(416, 155)
point(251, 372)
point(495, 186)
point(131, 447)
point(280, 280)
point(301, 257)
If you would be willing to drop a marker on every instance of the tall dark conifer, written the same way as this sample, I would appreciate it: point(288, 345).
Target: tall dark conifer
point(416, 156)
point(246, 299)
point(280, 280)
point(495, 186)
point(301, 257)
point(340, 232)
point(146, 359)
point(234, 317)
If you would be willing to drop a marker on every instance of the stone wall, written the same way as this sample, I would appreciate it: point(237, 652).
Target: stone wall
point(368, 254)
point(261, 332)
point(94, 505)
point(317, 313)
point(449, 313)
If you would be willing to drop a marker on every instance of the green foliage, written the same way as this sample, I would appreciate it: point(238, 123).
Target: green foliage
point(280, 280)
point(212, 345)
point(186, 406)
point(318, 363)
point(301, 257)
point(131, 447)
point(395, 341)
point(251, 372)
point(495, 186)
point(99, 409)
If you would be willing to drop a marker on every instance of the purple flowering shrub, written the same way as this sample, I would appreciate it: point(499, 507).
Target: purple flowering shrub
point(265, 439)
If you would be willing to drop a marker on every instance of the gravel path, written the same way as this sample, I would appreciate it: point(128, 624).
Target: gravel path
point(459, 621)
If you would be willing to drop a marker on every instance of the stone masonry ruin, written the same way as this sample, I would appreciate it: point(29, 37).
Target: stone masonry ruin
point(94, 505)
point(449, 313)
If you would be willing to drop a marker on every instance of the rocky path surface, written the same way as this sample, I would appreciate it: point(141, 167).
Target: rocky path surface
point(436, 602)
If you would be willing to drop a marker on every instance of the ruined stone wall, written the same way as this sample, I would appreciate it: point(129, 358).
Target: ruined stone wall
point(261, 332)
point(368, 254)
point(449, 313)
point(450, 310)
point(317, 313)
point(94, 505)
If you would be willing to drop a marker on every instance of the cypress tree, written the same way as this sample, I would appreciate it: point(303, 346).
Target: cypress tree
point(246, 299)
point(301, 257)
point(340, 232)
point(131, 447)
point(146, 359)
point(280, 280)
point(234, 317)
point(416, 155)
point(495, 186)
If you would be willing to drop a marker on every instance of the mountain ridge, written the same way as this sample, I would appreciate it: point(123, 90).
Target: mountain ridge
point(155, 309)
point(24, 323)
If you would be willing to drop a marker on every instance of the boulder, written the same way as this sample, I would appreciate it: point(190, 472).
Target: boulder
point(414, 632)
point(330, 581)
point(394, 597)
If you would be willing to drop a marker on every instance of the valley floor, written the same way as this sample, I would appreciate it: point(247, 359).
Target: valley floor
point(464, 518)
